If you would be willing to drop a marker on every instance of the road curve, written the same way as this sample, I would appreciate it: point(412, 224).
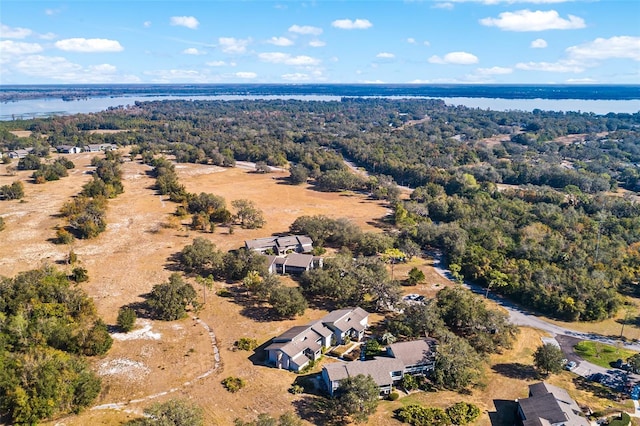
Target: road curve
point(522, 317)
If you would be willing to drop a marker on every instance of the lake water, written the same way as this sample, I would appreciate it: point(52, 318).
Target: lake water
point(31, 108)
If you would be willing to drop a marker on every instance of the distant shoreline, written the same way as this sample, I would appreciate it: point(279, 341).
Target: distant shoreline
point(12, 93)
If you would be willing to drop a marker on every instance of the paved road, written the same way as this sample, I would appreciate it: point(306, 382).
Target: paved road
point(522, 317)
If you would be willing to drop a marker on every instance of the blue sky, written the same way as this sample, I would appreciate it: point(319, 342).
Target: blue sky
point(321, 41)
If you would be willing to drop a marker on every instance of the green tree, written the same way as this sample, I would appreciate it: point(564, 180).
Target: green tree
point(548, 358)
point(29, 162)
point(175, 412)
point(458, 366)
point(287, 302)
point(634, 362)
point(463, 413)
point(15, 191)
point(298, 174)
point(416, 276)
point(200, 256)
point(126, 319)
point(79, 274)
point(356, 398)
point(417, 415)
point(169, 301)
point(248, 214)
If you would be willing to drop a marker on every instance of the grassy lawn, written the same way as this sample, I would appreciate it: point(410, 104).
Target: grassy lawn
point(601, 354)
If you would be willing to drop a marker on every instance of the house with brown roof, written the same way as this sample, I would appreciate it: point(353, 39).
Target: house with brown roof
point(299, 345)
point(549, 405)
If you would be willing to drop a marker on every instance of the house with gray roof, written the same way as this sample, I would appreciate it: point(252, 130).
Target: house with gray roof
point(281, 245)
point(68, 149)
point(549, 405)
point(417, 356)
point(299, 345)
point(294, 263)
point(412, 357)
point(384, 371)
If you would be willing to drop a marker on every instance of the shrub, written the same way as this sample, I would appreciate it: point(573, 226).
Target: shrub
point(126, 319)
point(623, 420)
point(233, 384)
point(224, 292)
point(246, 344)
point(393, 396)
point(296, 389)
point(79, 274)
point(463, 413)
point(63, 236)
point(2, 225)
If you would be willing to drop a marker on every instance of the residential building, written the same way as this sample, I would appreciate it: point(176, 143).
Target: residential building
point(100, 147)
point(412, 357)
point(294, 263)
point(19, 153)
point(549, 405)
point(281, 245)
point(68, 149)
point(296, 347)
point(384, 371)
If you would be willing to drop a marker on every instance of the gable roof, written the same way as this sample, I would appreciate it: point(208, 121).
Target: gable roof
point(413, 352)
point(299, 260)
point(549, 404)
point(295, 340)
point(346, 319)
point(379, 369)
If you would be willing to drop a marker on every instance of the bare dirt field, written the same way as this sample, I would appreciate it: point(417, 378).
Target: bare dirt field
point(189, 358)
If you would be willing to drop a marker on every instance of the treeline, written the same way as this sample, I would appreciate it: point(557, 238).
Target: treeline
point(563, 253)
point(47, 329)
point(87, 213)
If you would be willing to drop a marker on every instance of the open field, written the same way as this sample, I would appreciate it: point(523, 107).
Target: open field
point(178, 359)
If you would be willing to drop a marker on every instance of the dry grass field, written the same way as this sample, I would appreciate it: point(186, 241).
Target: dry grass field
point(162, 360)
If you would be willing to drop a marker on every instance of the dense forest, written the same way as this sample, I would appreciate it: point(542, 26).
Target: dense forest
point(540, 206)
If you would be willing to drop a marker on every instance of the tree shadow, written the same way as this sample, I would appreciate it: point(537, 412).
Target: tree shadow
point(516, 370)
point(259, 355)
point(505, 414)
point(313, 409)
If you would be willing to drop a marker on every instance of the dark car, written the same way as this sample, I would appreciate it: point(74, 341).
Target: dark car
point(596, 377)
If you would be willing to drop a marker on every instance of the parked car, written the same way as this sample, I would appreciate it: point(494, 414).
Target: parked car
point(570, 365)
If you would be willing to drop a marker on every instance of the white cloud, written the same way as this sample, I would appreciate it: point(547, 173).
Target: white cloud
point(146, 24)
point(317, 43)
point(246, 75)
point(192, 51)
point(444, 5)
point(538, 43)
point(588, 55)
point(496, 2)
point(581, 80)
point(296, 77)
point(48, 36)
point(373, 82)
point(418, 81)
point(89, 45)
point(181, 76)
point(185, 21)
point(348, 24)
point(560, 66)
point(287, 59)
point(458, 58)
point(622, 47)
point(221, 64)
point(494, 71)
point(103, 68)
point(305, 29)
point(10, 47)
point(411, 40)
point(526, 20)
point(280, 41)
point(17, 32)
point(427, 43)
point(59, 68)
point(385, 55)
point(233, 45)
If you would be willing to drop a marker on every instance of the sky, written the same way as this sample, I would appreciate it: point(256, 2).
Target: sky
point(321, 41)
